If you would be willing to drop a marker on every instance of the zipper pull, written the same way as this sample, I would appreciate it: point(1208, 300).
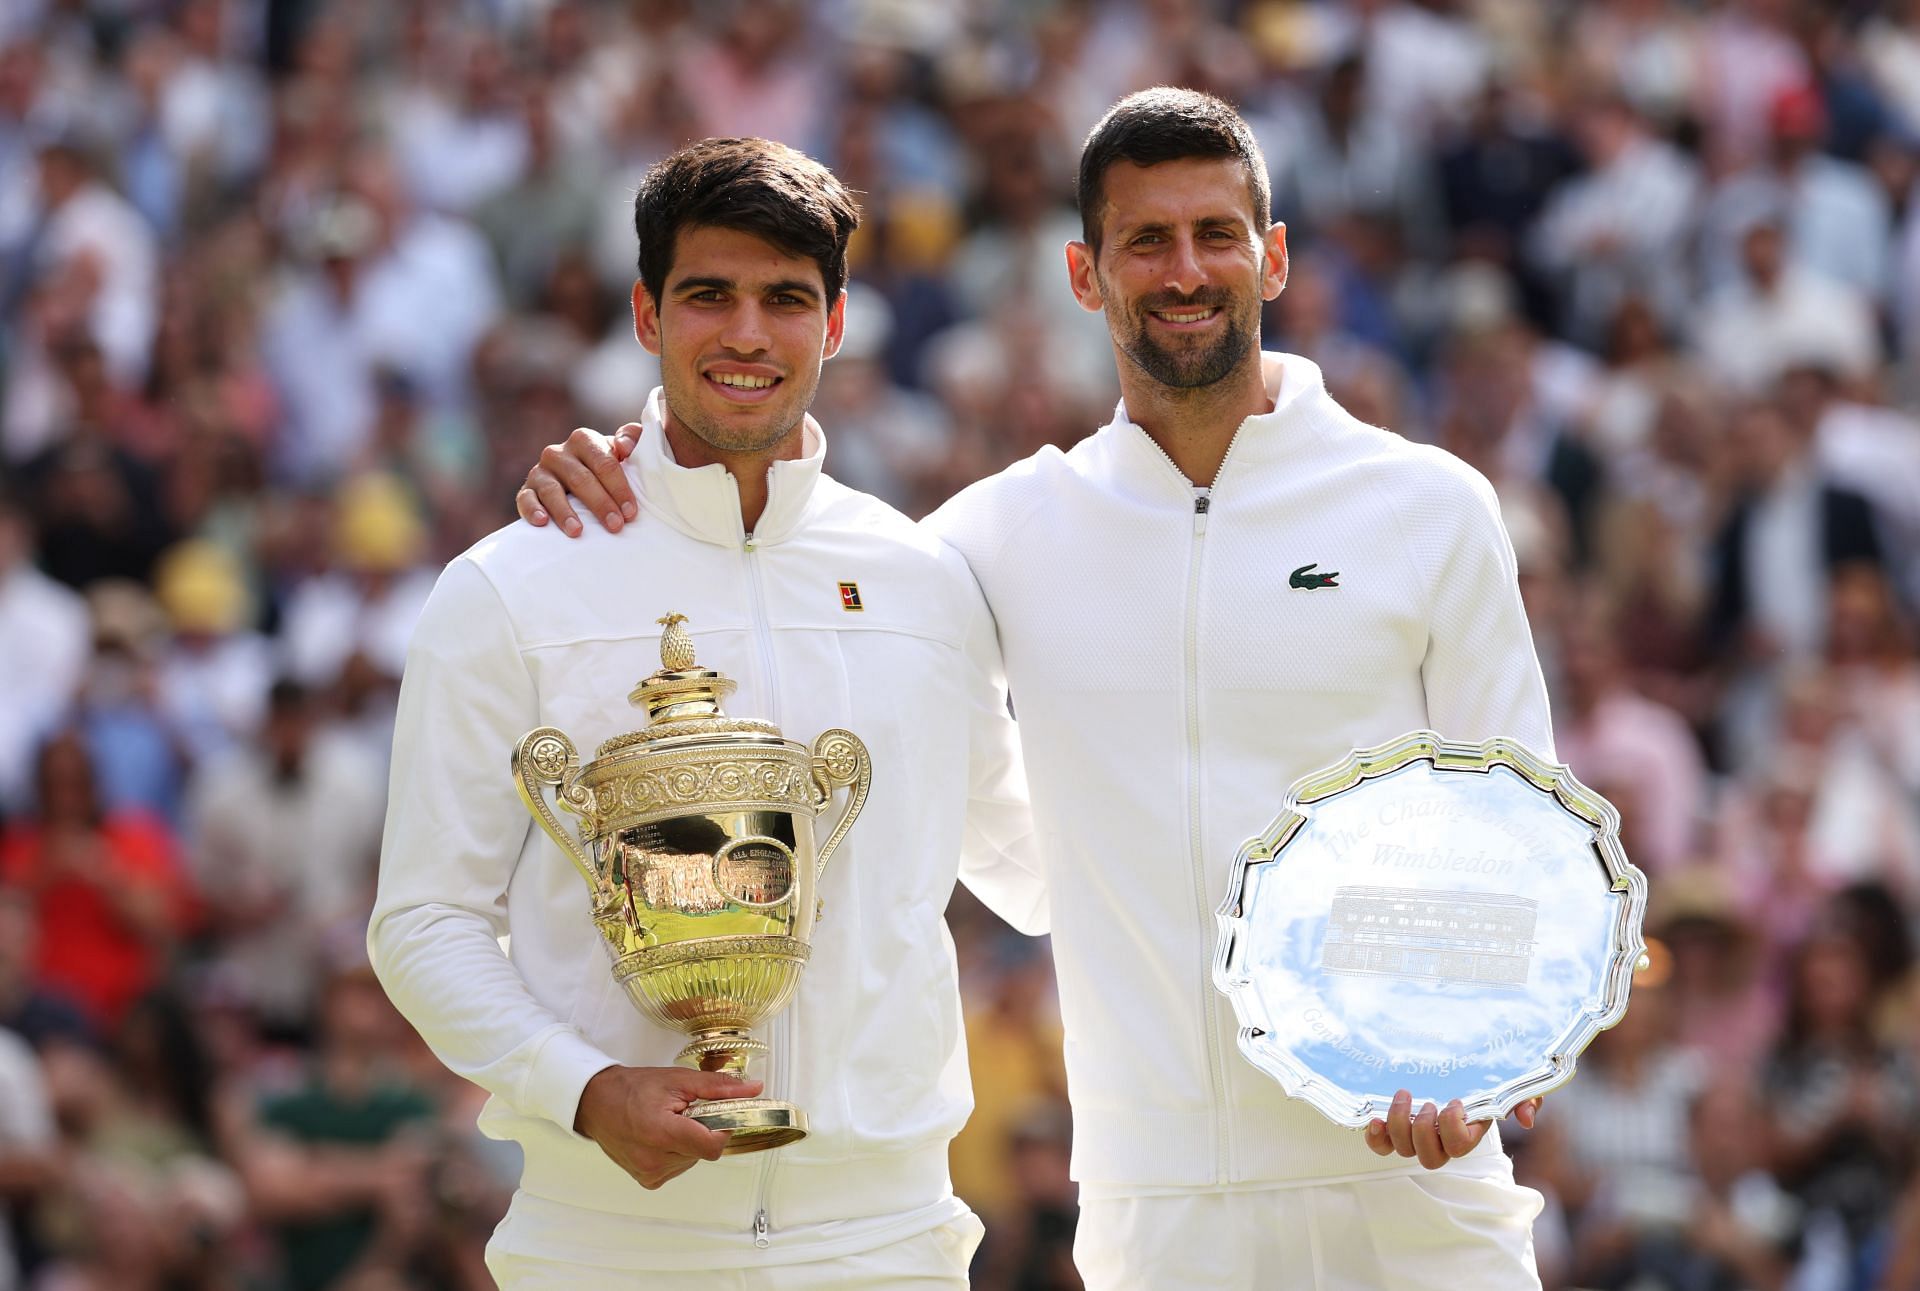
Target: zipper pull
point(749, 547)
point(760, 1237)
point(1202, 502)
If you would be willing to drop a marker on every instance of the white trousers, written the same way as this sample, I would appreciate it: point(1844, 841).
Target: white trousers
point(1435, 1231)
point(932, 1261)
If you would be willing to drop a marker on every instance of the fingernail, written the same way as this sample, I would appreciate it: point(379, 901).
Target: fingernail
point(572, 527)
point(613, 521)
point(539, 517)
point(631, 510)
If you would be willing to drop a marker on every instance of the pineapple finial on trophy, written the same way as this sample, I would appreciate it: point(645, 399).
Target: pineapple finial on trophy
point(676, 644)
point(682, 690)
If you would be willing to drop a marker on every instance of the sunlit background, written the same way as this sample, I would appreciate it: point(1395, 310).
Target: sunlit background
point(292, 293)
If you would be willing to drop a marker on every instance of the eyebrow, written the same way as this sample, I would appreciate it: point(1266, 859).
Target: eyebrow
point(791, 286)
point(795, 287)
point(1220, 220)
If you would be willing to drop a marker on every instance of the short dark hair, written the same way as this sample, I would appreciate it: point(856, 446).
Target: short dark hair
point(1167, 124)
point(752, 185)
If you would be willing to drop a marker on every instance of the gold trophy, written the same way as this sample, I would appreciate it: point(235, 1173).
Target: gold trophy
point(698, 837)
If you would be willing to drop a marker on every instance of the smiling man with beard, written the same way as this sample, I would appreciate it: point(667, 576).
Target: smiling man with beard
point(1237, 583)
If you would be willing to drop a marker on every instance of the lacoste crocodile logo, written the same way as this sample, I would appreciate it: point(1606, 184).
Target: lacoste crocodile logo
point(1302, 578)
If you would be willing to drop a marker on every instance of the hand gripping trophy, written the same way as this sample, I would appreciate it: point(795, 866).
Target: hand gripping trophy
point(698, 836)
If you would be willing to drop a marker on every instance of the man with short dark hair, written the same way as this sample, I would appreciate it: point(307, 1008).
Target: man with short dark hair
point(742, 263)
point(1241, 583)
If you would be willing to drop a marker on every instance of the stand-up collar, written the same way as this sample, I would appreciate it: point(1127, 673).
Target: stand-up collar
point(703, 501)
point(1293, 383)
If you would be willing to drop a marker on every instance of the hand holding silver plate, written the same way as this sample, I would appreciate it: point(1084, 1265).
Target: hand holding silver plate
point(1455, 920)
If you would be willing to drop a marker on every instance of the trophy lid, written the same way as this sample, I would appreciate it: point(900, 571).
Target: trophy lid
point(683, 698)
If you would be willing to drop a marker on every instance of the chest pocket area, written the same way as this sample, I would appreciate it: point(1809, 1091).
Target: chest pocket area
point(1305, 628)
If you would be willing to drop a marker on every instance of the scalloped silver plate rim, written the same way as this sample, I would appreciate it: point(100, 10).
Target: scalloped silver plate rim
point(1342, 1106)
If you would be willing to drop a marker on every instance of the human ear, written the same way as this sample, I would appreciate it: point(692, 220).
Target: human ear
point(646, 319)
point(1084, 277)
point(1273, 278)
point(836, 325)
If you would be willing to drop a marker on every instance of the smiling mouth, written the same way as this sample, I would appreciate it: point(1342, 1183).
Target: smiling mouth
point(741, 386)
point(1185, 317)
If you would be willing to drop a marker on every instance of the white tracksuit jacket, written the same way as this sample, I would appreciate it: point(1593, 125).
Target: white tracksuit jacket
point(529, 629)
point(1171, 681)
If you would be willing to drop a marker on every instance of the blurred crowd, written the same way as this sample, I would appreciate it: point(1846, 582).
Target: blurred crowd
point(293, 290)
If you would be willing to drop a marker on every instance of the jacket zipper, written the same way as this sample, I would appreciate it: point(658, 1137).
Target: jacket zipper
point(1216, 1083)
point(1196, 843)
point(782, 1038)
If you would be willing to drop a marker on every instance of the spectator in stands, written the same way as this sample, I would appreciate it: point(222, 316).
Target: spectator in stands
point(1620, 229)
point(34, 1013)
point(284, 833)
point(366, 607)
point(1723, 1011)
point(1638, 752)
point(139, 764)
point(1740, 1229)
point(214, 675)
point(342, 1165)
point(1780, 313)
point(1836, 217)
point(87, 243)
point(1844, 1102)
point(106, 891)
point(29, 1156)
point(1786, 535)
point(45, 637)
point(1618, 1137)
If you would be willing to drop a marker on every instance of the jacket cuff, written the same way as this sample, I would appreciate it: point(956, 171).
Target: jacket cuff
point(566, 1061)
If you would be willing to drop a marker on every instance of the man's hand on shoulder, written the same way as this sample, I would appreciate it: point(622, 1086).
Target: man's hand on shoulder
point(637, 1116)
point(583, 470)
point(1434, 1135)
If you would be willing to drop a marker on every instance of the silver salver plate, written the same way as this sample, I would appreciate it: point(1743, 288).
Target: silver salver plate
point(1456, 920)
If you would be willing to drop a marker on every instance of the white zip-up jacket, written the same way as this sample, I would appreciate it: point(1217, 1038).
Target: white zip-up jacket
point(528, 629)
point(1172, 678)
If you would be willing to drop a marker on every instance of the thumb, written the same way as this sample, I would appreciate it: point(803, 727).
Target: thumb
point(625, 440)
point(696, 1085)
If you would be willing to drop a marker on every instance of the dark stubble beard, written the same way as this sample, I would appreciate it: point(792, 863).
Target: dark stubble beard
point(735, 438)
point(1188, 369)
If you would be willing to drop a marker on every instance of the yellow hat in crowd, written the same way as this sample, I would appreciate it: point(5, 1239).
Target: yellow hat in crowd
point(202, 588)
point(379, 530)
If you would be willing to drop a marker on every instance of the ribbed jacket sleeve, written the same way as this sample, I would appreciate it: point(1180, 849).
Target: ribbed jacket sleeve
point(999, 857)
point(454, 833)
point(1481, 674)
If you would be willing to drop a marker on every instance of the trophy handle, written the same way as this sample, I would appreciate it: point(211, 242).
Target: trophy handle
point(545, 756)
point(839, 760)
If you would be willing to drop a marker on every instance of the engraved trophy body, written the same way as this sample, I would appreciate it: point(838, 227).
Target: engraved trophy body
point(697, 839)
